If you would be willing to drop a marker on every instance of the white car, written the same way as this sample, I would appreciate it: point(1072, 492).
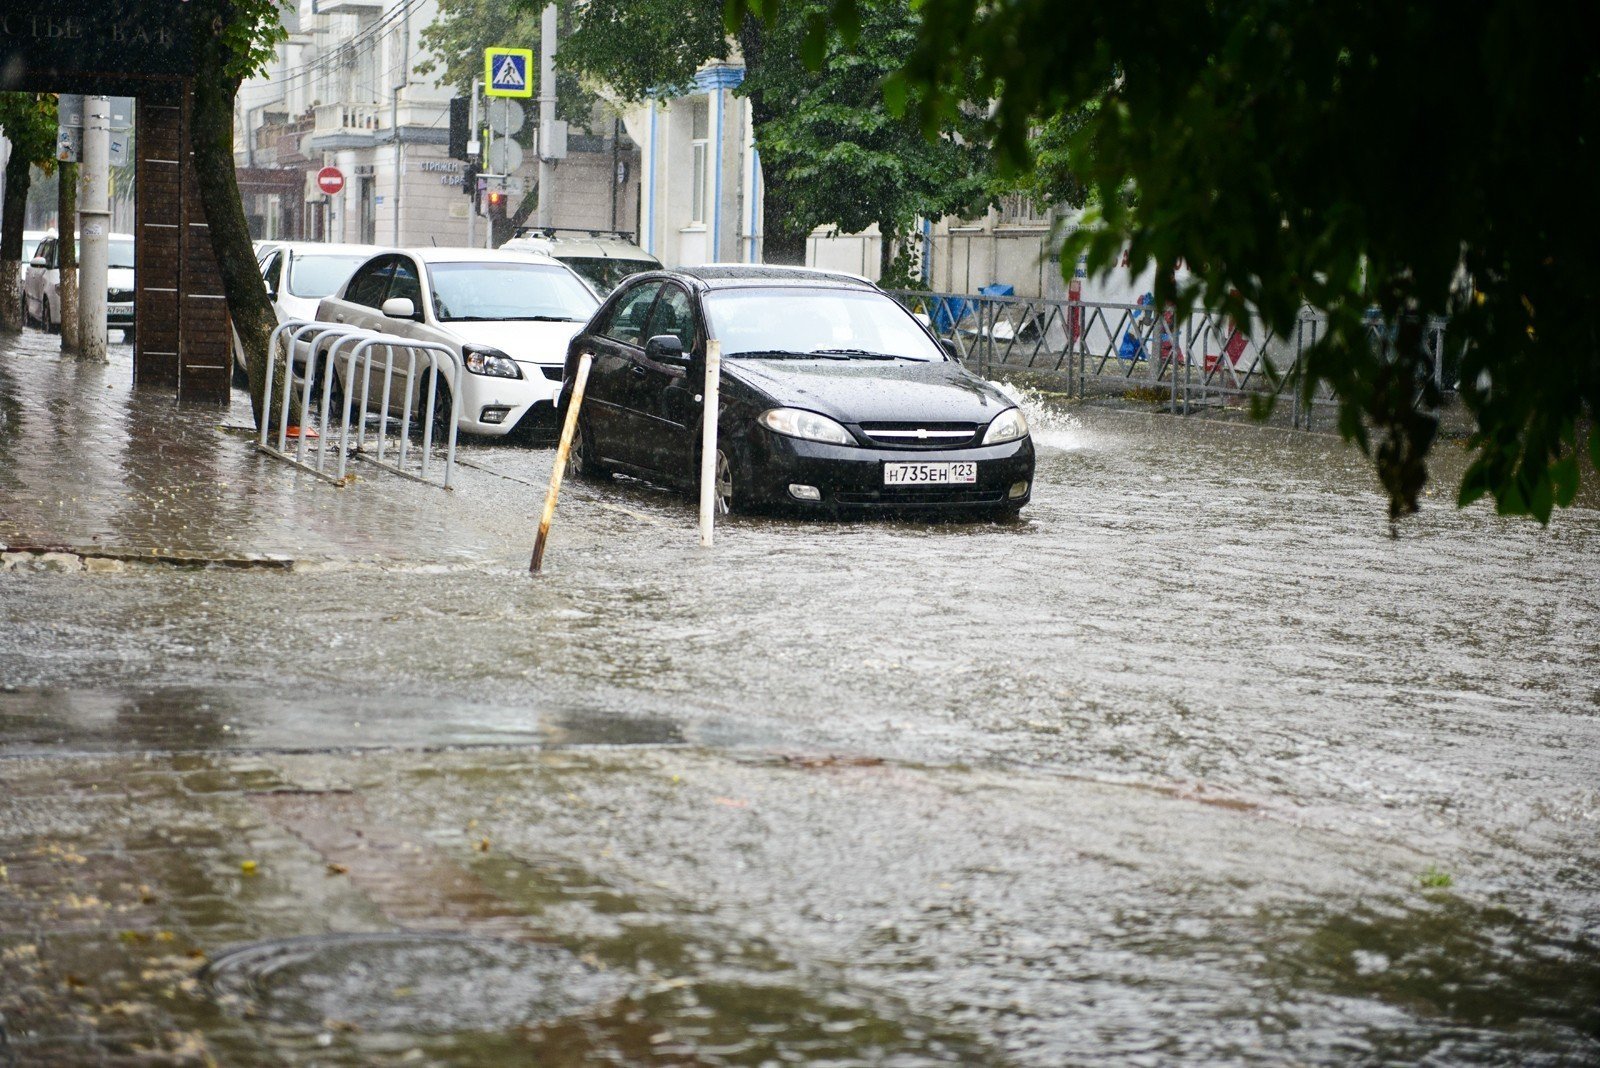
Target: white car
point(604, 258)
point(509, 315)
point(30, 246)
point(41, 286)
point(298, 275)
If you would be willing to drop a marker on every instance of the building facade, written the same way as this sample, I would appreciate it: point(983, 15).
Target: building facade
point(343, 93)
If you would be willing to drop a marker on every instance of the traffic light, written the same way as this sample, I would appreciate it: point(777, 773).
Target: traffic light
point(460, 126)
point(495, 204)
point(469, 183)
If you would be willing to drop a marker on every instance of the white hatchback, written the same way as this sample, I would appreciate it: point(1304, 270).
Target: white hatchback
point(509, 315)
point(298, 275)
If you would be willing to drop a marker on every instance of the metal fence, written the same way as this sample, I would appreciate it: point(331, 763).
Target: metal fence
point(1197, 361)
point(361, 396)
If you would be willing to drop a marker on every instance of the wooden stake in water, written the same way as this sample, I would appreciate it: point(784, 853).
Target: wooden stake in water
point(562, 450)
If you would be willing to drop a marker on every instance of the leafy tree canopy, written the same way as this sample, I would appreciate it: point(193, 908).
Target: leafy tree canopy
point(464, 28)
point(1423, 159)
point(831, 153)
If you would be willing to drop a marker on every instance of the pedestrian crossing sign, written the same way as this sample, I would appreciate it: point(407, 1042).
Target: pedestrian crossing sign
point(508, 71)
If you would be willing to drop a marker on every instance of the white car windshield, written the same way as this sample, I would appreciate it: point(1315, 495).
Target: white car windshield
point(495, 291)
point(823, 323)
point(119, 254)
point(312, 275)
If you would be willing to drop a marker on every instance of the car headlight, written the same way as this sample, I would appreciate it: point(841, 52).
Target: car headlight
point(795, 423)
point(1009, 425)
point(484, 360)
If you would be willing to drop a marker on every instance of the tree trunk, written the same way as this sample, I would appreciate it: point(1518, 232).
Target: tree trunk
point(66, 223)
point(14, 208)
point(211, 141)
point(781, 242)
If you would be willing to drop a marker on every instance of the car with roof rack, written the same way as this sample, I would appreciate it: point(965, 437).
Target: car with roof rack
point(603, 257)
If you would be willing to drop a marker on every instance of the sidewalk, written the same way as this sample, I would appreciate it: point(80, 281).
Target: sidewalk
point(95, 473)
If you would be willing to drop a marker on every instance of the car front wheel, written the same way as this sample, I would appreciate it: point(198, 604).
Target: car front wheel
point(724, 491)
point(582, 459)
point(439, 416)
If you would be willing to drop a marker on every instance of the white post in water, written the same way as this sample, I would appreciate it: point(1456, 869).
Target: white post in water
point(574, 402)
point(94, 221)
point(708, 442)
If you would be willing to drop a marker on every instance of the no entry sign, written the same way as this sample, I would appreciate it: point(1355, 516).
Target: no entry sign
point(330, 180)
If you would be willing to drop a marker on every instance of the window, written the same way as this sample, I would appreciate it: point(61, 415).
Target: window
point(406, 283)
point(315, 275)
point(628, 316)
point(495, 290)
point(371, 283)
point(673, 315)
point(272, 268)
point(700, 112)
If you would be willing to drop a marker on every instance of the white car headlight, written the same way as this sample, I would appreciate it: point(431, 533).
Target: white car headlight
point(484, 360)
point(1009, 425)
point(796, 423)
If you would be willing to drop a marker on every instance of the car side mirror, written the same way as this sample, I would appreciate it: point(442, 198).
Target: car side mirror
point(399, 308)
point(951, 349)
point(37, 261)
point(666, 348)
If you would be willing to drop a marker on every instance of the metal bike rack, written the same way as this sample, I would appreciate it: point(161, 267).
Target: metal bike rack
point(325, 344)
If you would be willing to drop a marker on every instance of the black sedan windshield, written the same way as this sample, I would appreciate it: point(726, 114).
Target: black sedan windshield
point(826, 323)
point(499, 290)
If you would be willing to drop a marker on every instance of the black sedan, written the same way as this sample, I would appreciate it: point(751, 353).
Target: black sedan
point(834, 397)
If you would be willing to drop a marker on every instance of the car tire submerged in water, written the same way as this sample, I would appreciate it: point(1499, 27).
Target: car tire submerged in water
point(725, 492)
point(439, 415)
point(582, 460)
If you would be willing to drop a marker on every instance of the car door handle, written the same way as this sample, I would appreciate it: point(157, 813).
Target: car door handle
point(638, 370)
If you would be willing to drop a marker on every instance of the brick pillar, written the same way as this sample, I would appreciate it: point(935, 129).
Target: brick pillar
point(183, 338)
point(158, 215)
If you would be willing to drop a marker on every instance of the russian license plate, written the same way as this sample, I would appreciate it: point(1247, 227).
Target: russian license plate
point(119, 309)
point(931, 474)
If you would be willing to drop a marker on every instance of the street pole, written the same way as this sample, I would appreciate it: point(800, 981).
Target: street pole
point(547, 115)
point(94, 221)
point(474, 147)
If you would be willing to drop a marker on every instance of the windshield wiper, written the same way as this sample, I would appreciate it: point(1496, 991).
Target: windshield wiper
point(856, 354)
point(770, 354)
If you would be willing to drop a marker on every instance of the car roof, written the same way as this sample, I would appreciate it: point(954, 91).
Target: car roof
point(447, 254)
point(301, 248)
point(592, 243)
point(731, 275)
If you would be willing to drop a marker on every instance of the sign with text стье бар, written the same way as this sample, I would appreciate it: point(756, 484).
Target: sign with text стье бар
point(68, 38)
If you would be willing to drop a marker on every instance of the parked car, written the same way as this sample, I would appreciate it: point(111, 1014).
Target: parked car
point(30, 245)
point(603, 257)
point(41, 286)
point(298, 275)
point(508, 314)
point(834, 397)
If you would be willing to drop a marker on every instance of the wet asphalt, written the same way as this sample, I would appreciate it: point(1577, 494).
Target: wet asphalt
point(1200, 762)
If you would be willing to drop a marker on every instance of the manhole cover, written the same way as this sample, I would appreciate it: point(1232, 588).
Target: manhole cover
point(407, 982)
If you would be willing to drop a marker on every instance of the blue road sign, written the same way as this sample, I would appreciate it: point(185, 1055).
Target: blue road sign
point(508, 71)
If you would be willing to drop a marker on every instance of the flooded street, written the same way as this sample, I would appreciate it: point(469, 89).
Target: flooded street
point(1195, 763)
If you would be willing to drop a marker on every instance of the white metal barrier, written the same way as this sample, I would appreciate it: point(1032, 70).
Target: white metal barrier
point(317, 348)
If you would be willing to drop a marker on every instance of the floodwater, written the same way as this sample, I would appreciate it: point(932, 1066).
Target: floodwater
point(1199, 762)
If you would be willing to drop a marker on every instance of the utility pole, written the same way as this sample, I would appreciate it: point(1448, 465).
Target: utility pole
point(547, 116)
point(474, 152)
point(94, 221)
